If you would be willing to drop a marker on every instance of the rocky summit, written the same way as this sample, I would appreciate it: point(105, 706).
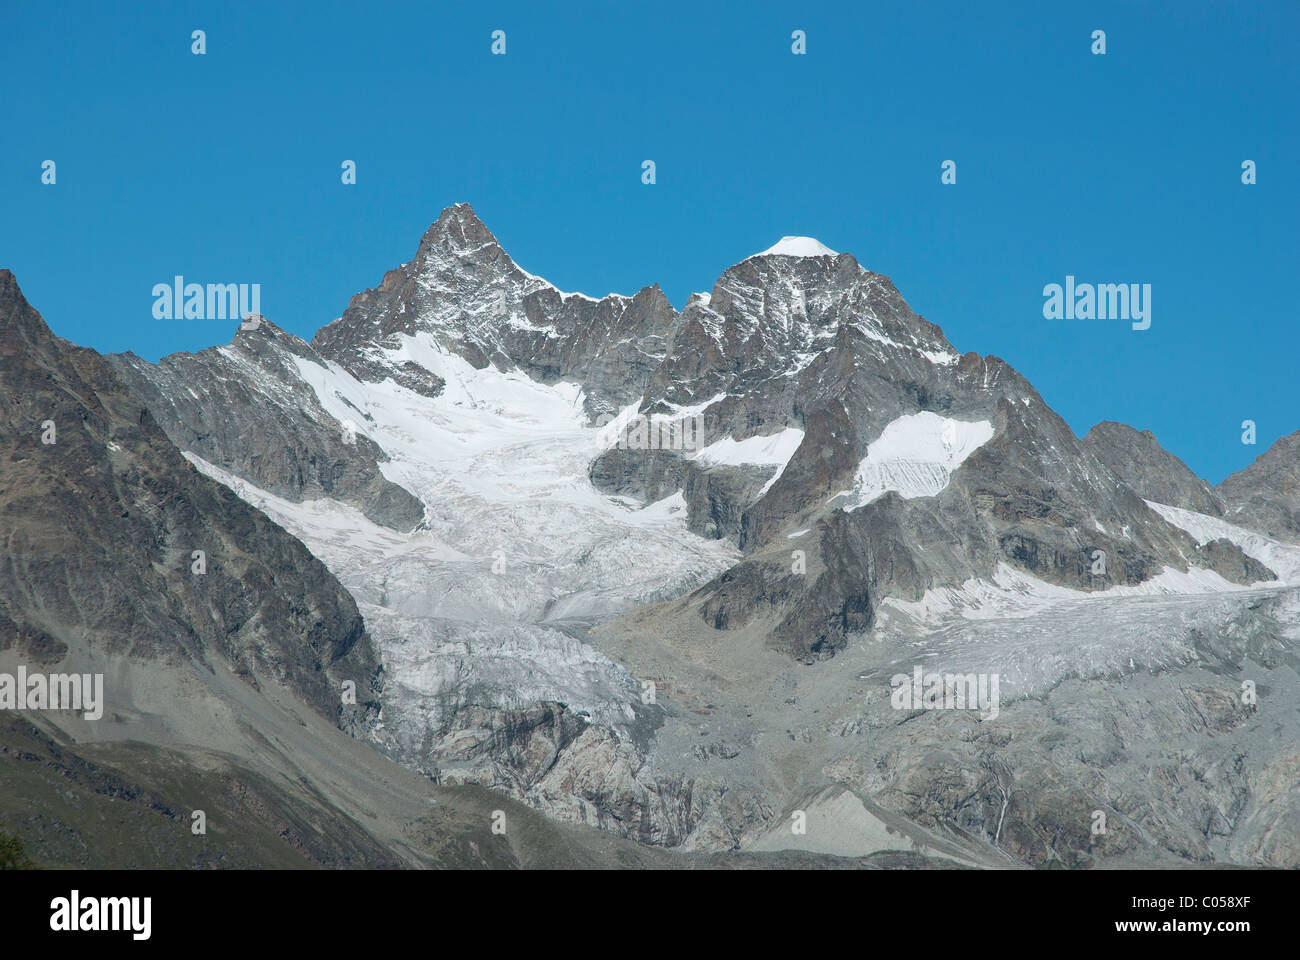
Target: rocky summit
point(660, 579)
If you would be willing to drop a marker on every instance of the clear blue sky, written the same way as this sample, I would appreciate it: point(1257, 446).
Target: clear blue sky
point(1117, 168)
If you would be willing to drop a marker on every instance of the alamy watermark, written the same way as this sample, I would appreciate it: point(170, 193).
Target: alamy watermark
point(75, 913)
point(179, 300)
point(55, 691)
point(652, 433)
point(1102, 301)
point(946, 691)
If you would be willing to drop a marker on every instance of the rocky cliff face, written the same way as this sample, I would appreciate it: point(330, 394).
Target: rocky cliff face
point(462, 292)
point(1153, 472)
point(104, 525)
point(245, 407)
point(1266, 495)
point(821, 348)
point(1262, 498)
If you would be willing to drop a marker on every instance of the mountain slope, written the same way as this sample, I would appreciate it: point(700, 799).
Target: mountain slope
point(115, 576)
point(245, 408)
point(655, 542)
point(1266, 495)
point(1156, 474)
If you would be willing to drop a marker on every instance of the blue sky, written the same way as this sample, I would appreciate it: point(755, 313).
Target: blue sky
point(1117, 168)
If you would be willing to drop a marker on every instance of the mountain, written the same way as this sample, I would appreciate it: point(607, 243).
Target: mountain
point(1152, 471)
point(463, 293)
point(886, 415)
point(245, 408)
point(1266, 495)
point(653, 571)
point(222, 688)
point(117, 581)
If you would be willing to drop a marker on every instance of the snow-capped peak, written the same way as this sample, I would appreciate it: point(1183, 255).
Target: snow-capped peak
point(459, 233)
point(798, 247)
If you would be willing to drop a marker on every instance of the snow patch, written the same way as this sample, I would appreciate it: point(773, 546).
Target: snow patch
point(773, 450)
point(915, 455)
point(1015, 594)
point(678, 411)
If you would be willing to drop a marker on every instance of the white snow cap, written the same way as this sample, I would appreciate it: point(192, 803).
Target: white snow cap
point(798, 247)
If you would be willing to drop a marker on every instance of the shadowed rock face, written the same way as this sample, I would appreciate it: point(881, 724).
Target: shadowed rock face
point(244, 408)
point(1266, 495)
point(100, 529)
point(1153, 472)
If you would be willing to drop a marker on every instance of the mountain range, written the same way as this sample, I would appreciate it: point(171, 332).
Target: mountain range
point(644, 653)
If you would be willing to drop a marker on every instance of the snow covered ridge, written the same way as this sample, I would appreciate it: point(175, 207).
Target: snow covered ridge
point(1013, 594)
point(564, 294)
point(798, 247)
point(1282, 558)
point(915, 455)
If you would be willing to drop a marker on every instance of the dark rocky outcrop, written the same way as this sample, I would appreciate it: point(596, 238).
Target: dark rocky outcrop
point(102, 523)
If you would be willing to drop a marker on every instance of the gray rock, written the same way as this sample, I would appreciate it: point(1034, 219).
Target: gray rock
point(245, 409)
point(1265, 497)
point(1154, 473)
point(112, 576)
point(464, 292)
